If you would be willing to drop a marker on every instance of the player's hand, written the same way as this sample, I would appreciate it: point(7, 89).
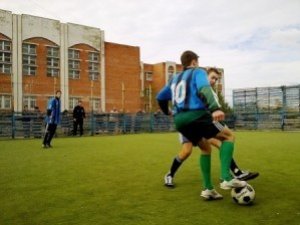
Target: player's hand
point(218, 115)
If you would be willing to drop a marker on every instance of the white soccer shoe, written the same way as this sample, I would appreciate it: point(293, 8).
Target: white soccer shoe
point(233, 183)
point(169, 180)
point(211, 195)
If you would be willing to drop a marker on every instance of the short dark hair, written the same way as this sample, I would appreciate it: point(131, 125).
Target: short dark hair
point(187, 57)
point(58, 91)
point(213, 69)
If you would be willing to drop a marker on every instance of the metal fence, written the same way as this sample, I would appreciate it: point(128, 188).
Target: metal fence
point(267, 108)
point(13, 125)
point(33, 126)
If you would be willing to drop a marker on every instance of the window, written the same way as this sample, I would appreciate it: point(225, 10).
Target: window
point(73, 102)
point(52, 61)
point(148, 76)
point(29, 70)
point(30, 101)
point(95, 104)
point(73, 54)
point(29, 49)
point(5, 45)
point(74, 64)
point(94, 56)
point(74, 74)
point(5, 102)
point(53, 52)
point(29, 59)
point(94, 65)
point(5, 57)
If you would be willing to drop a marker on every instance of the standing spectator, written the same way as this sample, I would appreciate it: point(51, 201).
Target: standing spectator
point(52, 119)
point(78, 116)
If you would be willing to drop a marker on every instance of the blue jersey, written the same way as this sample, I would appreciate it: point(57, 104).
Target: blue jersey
point(53, 111)
point(185, 91)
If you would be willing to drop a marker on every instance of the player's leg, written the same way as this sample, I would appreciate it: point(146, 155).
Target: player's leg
point(75, 124)
point(235, 170)
point(46, 136)
point(205, 166)
point(186, 150)
point(52, 129)
point(226, 153)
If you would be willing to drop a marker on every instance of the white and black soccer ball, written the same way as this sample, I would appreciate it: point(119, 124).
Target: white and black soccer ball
point(244, 195)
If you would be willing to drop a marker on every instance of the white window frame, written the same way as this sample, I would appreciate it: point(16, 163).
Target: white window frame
point(73, 101)
point(30, 101)
point(4, 99)
point(5, 45)
point(95, 104)
point(28, 49)
point(149, 76)
point(53, 61)
point(94, 56)
point(5, 57)
point(73, 53)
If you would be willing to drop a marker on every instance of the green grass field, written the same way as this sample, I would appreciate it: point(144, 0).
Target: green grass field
point(118, 180)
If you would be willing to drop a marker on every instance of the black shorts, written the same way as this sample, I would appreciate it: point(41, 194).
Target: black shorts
point(203, 127)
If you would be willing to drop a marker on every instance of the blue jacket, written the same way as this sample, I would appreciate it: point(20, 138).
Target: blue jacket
point(53, 111)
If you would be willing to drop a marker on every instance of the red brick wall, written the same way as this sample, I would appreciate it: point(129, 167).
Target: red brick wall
point(122, 64)
point(84, 87)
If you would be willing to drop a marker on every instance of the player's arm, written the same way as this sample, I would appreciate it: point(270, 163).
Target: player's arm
point(163, 97)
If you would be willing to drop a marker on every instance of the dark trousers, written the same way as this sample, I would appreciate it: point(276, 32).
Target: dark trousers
point(75, 125)
point(49, 133)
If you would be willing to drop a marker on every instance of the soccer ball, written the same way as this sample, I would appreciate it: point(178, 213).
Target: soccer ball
point(243, 195)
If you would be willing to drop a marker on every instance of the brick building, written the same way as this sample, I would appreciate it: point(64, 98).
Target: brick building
point(40, 55)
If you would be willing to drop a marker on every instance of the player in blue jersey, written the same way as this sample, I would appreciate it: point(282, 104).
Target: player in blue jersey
point(52, 119)
point(198, 117)
point(187, 146)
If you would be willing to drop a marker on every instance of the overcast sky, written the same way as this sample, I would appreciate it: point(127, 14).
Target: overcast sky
point(257, 42)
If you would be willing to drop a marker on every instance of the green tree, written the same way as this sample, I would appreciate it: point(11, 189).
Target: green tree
point(224, 105)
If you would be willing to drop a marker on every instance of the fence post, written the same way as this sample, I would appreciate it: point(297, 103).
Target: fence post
point(92, 124)
point(13, 125)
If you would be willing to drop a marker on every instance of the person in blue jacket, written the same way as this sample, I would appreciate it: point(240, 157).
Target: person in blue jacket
point(52, 119)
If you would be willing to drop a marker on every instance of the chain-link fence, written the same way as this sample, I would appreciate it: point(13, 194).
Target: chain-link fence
point(267, 108)
point(32, 125)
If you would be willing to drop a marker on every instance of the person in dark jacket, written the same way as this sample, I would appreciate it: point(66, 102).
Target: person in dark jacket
point(78, 116)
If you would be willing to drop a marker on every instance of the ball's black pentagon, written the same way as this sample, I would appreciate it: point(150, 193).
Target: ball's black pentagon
point(238, 190)
point(247, 199)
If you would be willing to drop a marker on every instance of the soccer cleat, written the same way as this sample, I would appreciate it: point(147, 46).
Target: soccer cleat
point(44, 146)
point(169, 180)
point(211, 195)
point(246, 175)
point(233, 183)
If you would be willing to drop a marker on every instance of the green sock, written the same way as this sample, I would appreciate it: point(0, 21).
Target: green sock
point(226, 152)
point(205, 169)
